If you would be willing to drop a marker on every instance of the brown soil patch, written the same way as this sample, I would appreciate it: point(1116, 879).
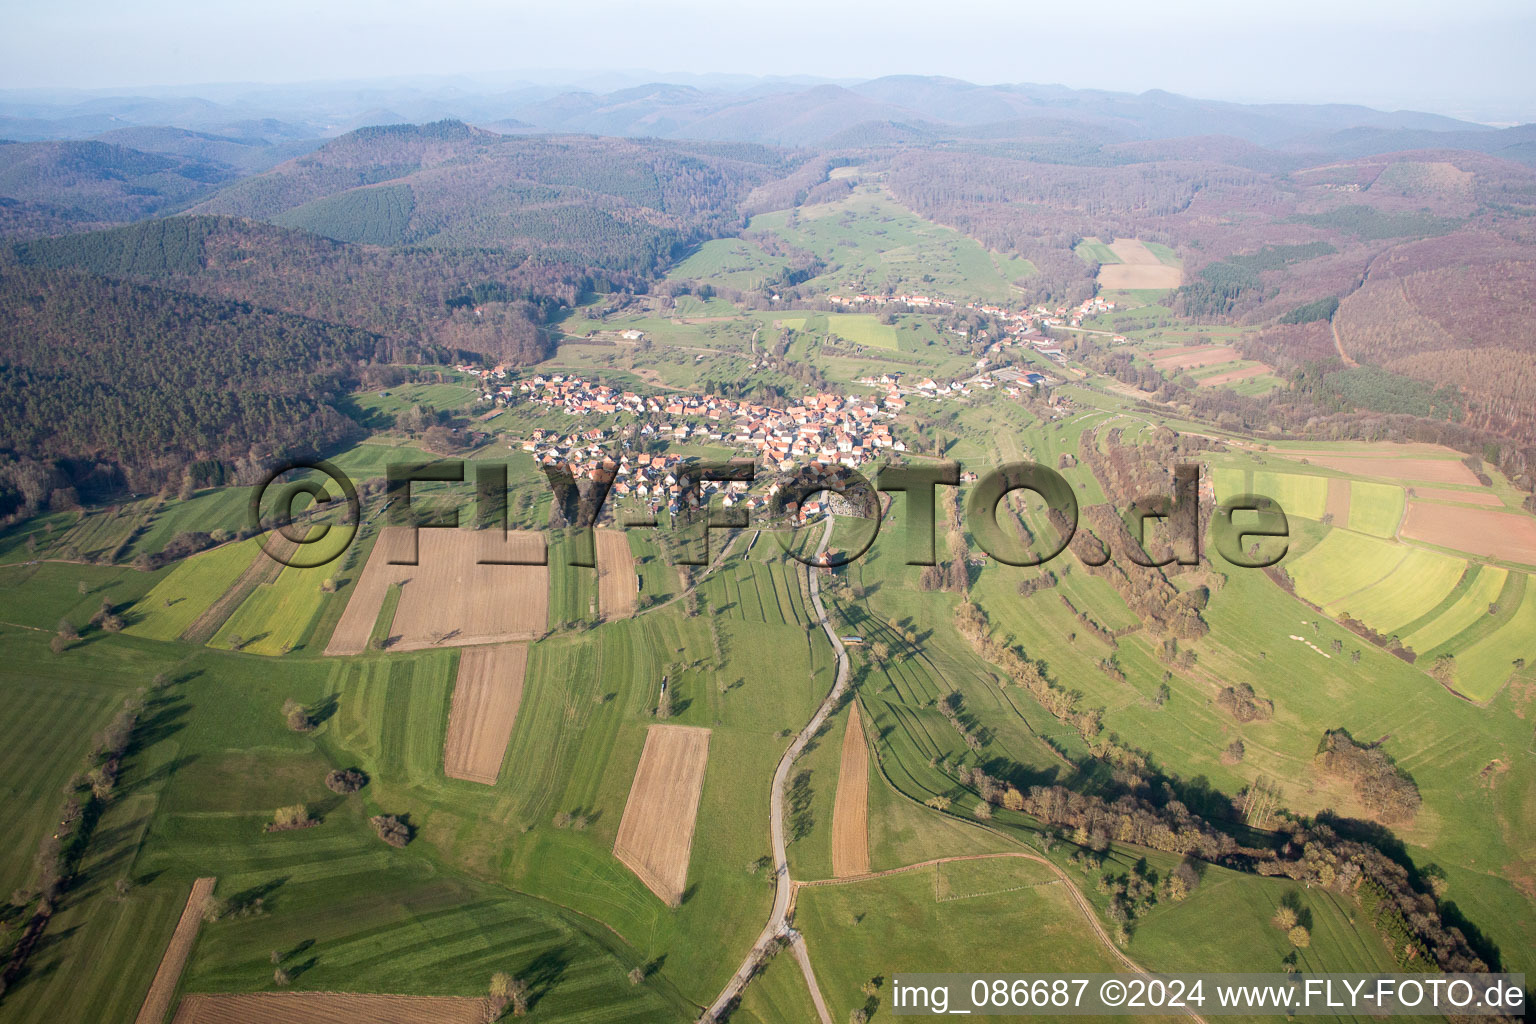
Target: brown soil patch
point(1440, 471)
point(1126, 275)
point(1141, 268)
point(656, 833)
point(264, 568)
point(486, 695)
point(1338, 501)
point(1507, 535)
point(168, 974)
point(1216, 380)
point(449, 598)
point(328, 1008)
point(1195, 356)
point(1466, 497)
point(618, 591)
point(850, 811)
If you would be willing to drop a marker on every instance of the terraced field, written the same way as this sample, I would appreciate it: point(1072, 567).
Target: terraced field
point(1468, 608)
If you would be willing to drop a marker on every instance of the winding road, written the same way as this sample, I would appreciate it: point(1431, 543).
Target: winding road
point(783, 896)
point(777, 929)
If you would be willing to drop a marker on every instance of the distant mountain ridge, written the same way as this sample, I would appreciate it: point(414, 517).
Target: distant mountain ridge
point(775, 112)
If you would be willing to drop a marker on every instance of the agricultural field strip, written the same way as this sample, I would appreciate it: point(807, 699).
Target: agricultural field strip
point(157, 1002)
point(487, 691)
point(850, 808)
point(328, 1008)
point(655, 835)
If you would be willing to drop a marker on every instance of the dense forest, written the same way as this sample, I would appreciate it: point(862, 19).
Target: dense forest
point(149, 380)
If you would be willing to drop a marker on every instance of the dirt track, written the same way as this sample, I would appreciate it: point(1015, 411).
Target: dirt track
point(656, 832)
point(617, 592)
point(449, 598)
point(328, 1008)
point(168, 974)
point(486, 695)
point(850, 809)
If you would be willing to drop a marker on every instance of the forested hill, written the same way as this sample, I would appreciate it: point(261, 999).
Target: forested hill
point(618, 204)
point(149, 379)
point(404, 295)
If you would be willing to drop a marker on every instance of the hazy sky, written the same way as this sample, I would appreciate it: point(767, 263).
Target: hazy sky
point(1470, 57)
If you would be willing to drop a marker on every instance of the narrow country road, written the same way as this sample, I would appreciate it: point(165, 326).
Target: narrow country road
point(777, 926)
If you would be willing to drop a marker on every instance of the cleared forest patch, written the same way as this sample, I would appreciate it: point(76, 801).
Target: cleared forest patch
point(850, 810)
point(1216, 380)
point(1139, 268)
point(449, 598)
point(486, 695)
point(656, 833)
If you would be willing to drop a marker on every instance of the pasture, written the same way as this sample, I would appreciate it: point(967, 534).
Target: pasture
point(863, 329)
point(328, 1008)
point(1374, 508)
point(1298, 494)
point(872, 243)
point(859, 930)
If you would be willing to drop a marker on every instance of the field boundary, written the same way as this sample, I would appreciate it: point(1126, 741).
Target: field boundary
point(157, 1001)
point(265, 567)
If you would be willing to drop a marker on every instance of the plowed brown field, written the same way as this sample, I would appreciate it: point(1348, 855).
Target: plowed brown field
point(1439, 471)
point(850, 810)
point(1338, 501)
point(617, 592)
point(1507, 535)
point(1190, 357)
point(449, 598)
point(656, 833)
point(328, 1008)
point(1141, 269)
point(486, 694)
